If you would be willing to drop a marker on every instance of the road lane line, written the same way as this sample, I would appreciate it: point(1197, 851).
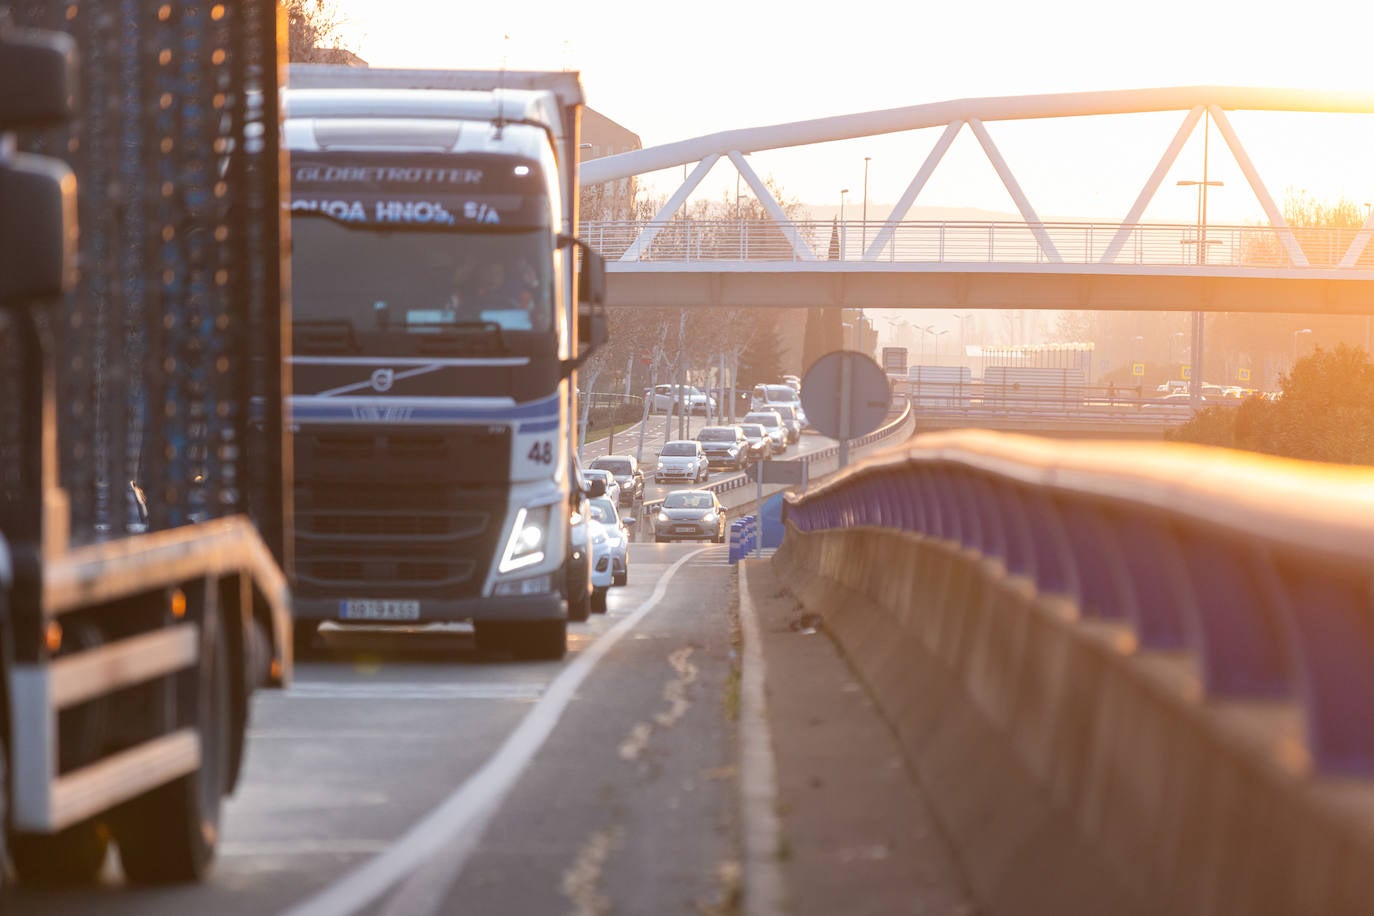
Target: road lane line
point(454, 827)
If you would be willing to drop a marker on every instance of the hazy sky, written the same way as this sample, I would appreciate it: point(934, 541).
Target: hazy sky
point(669, 72)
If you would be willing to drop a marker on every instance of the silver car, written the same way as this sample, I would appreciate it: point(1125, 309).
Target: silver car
point(771, 421)
point(690, 515)
point(682, 459)
point(612, 485)
point(604, 510)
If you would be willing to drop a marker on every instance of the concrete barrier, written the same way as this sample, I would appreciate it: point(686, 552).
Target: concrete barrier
point(1078, 770)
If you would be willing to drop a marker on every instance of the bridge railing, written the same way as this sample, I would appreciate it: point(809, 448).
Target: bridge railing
point(956, 242)
point(1258, 569)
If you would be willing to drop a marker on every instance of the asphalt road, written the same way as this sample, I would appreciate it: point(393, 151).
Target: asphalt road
point(405, 773)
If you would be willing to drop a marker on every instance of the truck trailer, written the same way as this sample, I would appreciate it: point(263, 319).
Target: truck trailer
point(142, 513)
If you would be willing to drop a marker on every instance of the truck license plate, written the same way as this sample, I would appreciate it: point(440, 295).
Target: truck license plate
point(379, 609)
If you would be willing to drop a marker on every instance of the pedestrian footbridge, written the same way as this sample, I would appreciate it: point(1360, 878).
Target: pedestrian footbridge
point(1129, 264)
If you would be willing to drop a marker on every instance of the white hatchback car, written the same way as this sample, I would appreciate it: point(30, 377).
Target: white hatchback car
point(682, 459)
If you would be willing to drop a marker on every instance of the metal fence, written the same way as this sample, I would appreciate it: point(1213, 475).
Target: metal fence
point(923, 242)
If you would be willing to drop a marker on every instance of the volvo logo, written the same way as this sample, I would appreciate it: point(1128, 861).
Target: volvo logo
point(382, 379)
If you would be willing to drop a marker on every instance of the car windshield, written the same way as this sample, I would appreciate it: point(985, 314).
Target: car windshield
point(618, 466)
point(763, 420)
point(688, 500)
point(779, 393)
point(753, 430)
point(679, 449)
point(785, 411)
point(717, 434)
point(601, 473)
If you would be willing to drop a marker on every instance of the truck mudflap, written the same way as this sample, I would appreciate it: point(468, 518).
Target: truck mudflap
point(221, 567)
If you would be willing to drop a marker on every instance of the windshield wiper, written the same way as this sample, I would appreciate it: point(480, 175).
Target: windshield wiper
point(325, 335)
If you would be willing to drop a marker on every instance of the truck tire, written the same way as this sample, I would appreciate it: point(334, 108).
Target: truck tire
point(169, 834)
point(73, 856)
point(490, 636)
point(579, 606)
point(538, 640)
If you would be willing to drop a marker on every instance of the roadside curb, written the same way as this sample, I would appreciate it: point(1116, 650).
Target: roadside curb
point(763, 884)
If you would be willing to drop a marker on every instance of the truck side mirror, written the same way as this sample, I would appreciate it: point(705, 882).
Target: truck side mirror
point(591, 280)
point(37, 193)
point(592, 328)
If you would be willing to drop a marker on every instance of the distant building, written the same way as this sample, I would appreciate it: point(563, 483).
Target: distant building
point(603, 137)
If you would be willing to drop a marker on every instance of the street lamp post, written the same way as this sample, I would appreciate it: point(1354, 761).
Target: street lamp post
point(1195, 368)
point(936, 334)
point(843, 192)
point(1297, 334)
point(863, 224)
point(966, 316)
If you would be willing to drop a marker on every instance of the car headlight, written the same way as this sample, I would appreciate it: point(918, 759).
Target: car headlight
point(734, 450)
point(575, 519)
point(663, 516)
point(525, 546)
point(709, 518)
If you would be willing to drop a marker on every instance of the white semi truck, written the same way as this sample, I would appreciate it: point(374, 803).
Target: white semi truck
point(443, 305)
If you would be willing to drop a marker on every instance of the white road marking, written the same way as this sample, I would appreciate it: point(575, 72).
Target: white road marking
point(324, 690)
point(430, 855)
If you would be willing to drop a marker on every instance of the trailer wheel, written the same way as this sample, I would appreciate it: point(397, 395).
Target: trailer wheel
point(4, 811)
point(169, 834)
point(73, 856)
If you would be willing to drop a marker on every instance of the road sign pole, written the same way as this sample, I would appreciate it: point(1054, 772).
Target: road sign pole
point(846, 395)
point(758, 513)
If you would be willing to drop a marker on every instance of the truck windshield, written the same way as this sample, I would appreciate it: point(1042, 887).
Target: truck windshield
point(406, 282)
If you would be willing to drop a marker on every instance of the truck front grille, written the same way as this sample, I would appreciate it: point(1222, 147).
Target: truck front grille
point(394, 513)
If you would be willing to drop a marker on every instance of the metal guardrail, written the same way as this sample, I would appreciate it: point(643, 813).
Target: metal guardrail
point(922, 242)
point(1258, 567)
point(818, 462)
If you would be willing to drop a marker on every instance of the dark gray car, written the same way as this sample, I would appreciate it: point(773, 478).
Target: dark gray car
point(690, 515)
point(627, 473)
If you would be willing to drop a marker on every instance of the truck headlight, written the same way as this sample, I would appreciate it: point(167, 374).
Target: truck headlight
point(525, 546)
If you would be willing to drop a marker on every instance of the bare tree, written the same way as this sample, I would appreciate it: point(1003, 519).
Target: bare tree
point(313, 26)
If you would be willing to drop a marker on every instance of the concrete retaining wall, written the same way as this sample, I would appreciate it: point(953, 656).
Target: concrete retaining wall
point(1074, 774)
